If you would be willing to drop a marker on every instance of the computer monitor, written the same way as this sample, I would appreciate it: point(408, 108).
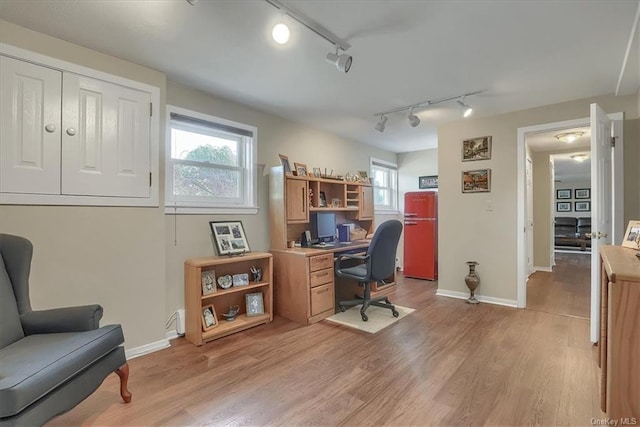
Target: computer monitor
point(326, 226)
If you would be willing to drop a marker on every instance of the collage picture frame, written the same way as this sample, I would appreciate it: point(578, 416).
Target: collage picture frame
point(229, 237)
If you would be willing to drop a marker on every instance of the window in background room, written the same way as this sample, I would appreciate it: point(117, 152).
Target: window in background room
point(211, 164)
point(384, 176)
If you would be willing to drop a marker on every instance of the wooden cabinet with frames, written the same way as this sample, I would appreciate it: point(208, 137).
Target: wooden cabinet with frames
point(223, 299)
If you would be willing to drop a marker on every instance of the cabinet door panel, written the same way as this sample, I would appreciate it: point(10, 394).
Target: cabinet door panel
point(297, 201)
point(29, 105)
point(106, 146)
point(366, 202)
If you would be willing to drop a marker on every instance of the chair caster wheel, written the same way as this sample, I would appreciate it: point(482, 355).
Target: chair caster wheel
point(364, 318)
point(395, 313)
point(341, 309)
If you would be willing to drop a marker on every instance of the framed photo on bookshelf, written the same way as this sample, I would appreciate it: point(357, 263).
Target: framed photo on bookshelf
point(208, 282)
point(229, 237)
point(209, 319)
point(255, 304)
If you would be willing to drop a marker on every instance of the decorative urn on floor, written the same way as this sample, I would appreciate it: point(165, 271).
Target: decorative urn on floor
point(472, 280)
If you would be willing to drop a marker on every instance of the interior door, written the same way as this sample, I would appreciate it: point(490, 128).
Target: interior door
point(529, 180)
point(600, 204)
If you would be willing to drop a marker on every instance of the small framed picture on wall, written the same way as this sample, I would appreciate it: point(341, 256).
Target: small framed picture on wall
point(563, 206)
point(583, 193)
point(563, 194)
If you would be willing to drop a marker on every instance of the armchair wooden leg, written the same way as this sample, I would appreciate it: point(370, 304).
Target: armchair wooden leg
point(123, 373)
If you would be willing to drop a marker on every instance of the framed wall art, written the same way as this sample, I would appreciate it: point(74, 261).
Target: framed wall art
point(476, 149)
point(563, 194)
point(476, 181)
point(582, 193)
point(632, 235)
point(229, 237)
point(582, 206)
point(563, 206)
point(430, 181)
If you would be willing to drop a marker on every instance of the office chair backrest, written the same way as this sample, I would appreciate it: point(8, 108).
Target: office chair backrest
point(383, 249)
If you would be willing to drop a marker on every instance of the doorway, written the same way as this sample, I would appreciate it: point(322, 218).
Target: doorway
point(558, 203)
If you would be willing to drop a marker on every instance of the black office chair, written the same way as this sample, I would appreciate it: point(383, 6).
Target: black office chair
point(379, 264)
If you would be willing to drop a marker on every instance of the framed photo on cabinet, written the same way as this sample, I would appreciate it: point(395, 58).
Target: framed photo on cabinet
point(632, 235)
point(229, 237)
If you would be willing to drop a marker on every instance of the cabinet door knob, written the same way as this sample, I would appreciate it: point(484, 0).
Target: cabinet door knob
point(50, 128)
point(71, 131)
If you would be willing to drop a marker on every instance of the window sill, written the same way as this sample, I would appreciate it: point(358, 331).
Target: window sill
point(231, 210)
point(387, 211)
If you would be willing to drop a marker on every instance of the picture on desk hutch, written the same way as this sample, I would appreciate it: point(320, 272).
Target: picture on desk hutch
point(285, 164)
point(229, 237)
point(301, 169)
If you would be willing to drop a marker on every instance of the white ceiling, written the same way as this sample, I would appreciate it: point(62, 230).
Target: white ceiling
point(566, 169)
point(523, 54)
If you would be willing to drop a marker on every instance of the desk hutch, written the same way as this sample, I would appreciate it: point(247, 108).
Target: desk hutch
point(304, 277)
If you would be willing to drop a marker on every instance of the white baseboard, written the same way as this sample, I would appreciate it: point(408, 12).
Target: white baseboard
point(546, 269)
point(132, 353)
point(488, 300)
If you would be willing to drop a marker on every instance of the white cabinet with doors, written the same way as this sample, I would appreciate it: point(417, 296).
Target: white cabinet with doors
point(74, 136)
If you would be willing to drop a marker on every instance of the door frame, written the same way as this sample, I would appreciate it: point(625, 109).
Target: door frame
point(521, 154)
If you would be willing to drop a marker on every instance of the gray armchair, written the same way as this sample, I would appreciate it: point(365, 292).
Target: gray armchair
point(50, 360)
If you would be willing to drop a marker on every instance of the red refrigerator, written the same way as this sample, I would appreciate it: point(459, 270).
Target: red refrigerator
point(421, 235)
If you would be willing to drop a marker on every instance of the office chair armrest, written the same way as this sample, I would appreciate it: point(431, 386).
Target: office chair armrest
point(58, 320)
point(364, 258)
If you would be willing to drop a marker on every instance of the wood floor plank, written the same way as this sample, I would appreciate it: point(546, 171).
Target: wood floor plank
point(448, 363)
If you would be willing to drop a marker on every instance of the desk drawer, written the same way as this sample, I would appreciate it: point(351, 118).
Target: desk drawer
point(322, 298)
point(321, 277)
point(320, 262)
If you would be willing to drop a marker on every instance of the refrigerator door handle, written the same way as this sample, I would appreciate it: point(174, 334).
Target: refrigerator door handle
point(410, 223)
point(410, 214)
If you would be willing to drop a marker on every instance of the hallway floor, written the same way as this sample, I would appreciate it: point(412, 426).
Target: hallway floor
point(566, 290)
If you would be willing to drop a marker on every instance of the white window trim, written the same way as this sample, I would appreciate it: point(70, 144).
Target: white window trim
point(383, 211)
point(154, 138)
point(173, 207)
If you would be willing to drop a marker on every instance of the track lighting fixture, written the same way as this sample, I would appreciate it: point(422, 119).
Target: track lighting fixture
point(280, 33)
point(464, 107)
point(415, 120)
point(342, 61)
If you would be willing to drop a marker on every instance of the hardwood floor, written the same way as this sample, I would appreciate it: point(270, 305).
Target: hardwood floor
point(448, 363)
point(567, 290)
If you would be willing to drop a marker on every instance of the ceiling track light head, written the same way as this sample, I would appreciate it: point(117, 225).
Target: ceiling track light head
point(464, 107)
point(341, 61)
point(382, 123)
point(413, 119)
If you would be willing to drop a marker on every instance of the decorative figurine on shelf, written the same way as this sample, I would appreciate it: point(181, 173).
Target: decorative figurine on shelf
point(473, 281)
point(256, 273)
point(231, 313)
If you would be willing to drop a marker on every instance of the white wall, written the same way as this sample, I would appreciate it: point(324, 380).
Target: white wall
point(490, 236)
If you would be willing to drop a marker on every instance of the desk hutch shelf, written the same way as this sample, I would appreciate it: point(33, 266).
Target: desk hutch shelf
point(222, 299)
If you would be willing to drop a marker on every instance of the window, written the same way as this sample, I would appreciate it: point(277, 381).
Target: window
point(385, 185)
point(211, 165)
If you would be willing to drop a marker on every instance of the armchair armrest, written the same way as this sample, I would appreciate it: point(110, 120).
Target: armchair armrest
point(58, 320)
point(364, 258)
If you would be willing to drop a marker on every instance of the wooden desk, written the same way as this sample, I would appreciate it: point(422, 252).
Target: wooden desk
point(305, 282)
point(620, 333)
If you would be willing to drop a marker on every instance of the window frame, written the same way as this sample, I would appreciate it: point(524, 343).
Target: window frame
point(392, 169)
point(247, 203)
